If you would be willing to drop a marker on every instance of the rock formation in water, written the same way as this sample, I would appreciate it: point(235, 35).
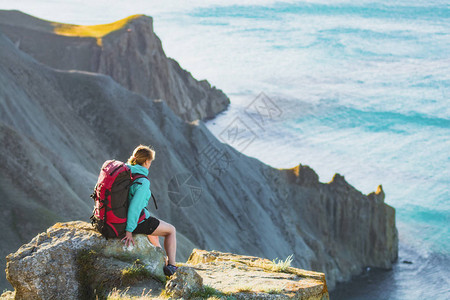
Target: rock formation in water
point(73, 261)
point(57, 128)
point(127, 50)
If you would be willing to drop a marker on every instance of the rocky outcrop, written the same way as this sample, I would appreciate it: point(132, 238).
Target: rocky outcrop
point(184, 283)
point(73, 261)
point(58, 127)
point(127, 50)
point(249, 277)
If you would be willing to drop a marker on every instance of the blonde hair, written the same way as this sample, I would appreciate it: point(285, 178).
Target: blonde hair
point(141, 154)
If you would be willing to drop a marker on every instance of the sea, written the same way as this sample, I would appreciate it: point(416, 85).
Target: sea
point(359, 88)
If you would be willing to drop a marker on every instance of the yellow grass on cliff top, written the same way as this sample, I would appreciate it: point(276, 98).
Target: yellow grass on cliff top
point(96, 31)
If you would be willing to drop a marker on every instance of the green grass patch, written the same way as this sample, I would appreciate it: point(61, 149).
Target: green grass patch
point(244, 289)
point(281, 265)
point(116, 294)
point(274, 290)
point(207, 292)
point(135, 273)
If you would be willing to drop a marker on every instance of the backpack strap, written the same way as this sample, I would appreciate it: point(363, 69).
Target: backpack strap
point(154, 201)
point(137, 176)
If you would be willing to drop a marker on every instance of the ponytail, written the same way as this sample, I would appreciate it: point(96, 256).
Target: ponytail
point(141, 154)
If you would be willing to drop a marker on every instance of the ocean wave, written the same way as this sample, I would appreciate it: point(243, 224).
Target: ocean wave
point(387, 10)
point(344, 116)
point(415, 276)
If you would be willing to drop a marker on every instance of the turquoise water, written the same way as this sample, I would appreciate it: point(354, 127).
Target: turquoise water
point(363, 90)
point(371, 98)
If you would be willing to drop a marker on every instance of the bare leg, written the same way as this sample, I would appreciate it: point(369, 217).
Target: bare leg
point(170, 240)
point(154, 240)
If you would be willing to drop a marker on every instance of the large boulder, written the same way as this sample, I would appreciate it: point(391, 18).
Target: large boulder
point(250, 277)
point(73, 261)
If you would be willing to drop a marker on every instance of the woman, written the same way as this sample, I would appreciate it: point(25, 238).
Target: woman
point(139, 195)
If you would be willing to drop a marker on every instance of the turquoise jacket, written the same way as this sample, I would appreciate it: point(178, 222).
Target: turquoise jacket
point(138, 198)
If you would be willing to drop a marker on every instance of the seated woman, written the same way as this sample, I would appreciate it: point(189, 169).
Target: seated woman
point(139, 195)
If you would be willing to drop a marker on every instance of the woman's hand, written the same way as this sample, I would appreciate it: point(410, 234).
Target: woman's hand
point(128, 237)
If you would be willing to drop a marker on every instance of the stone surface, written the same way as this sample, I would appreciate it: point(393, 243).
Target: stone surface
point(8, 295)
point(249, 277)
point(207, 274)
point(132, 55)
point(71, 260)
point(184, 282)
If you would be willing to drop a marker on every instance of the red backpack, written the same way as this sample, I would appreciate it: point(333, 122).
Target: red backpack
point(111, 199)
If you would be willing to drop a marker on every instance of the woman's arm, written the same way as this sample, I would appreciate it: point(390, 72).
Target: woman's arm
point(137, 203)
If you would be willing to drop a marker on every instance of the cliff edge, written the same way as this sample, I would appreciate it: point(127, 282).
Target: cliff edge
point(73, 261)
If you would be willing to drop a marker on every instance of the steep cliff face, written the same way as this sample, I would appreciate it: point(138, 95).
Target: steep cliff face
point(127, 50)
point(357, 228)
point(58, 127)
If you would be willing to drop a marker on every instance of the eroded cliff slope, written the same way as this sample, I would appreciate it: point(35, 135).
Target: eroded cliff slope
point(127, 50)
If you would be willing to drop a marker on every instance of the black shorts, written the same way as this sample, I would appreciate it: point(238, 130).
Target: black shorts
point(148, 226)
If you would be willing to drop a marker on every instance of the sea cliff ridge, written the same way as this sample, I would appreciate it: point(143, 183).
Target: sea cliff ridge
point(128, 50)
point(58, 126)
